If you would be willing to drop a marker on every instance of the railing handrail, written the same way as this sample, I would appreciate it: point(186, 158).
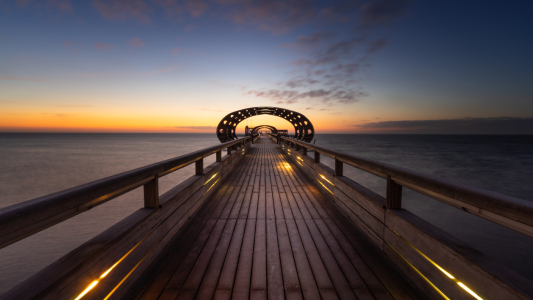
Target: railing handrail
point(505, 210)
point(26, 218)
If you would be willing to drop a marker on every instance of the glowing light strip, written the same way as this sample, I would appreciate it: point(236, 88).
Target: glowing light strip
point(419, 273)
point(211, 178)
point(299, 158)
point(87, 289)
point(469, 291)
point(438, 267)
point(324, 186)
point(326, 179)
point(212, 186)
point(300, 163)
point(95, 282)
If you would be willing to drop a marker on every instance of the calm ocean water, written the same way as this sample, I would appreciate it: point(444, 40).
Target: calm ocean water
point(34, 165)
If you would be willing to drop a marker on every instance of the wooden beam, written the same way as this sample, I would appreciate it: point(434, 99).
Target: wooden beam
point(394, 194)
point(338, 167)
point(151, 194)
point(199, 166)
point(219, 156)
point(317, 157)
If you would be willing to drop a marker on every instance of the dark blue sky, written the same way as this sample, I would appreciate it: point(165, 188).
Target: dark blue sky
point(351, 66)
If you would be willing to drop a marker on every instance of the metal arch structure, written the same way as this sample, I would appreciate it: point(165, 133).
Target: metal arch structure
point(272, 129)
point(303, 129)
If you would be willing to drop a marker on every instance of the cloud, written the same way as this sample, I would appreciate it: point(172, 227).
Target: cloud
point(193, 127)
point(136, 42)
point(310, 41)
point(195, 7)
point(22, 79)
point(294, 83)
point(61, 5)
point(290, 97)
point(120, 10)
point(171, 7)
point(499, 125)
point(382, 12)
point(190, 27)
point(67, 44)
point(272, 15)
point(103, 46)
point(376, 45)
point(176, 50)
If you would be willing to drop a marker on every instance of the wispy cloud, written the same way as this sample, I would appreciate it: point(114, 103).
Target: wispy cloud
point(322, 95)
point(22, 79)
point(120, 10)
point(103, 46)
point(176, 50)
point(136, 42)
point(61, 5)
point(500, 125)
point(383, 12)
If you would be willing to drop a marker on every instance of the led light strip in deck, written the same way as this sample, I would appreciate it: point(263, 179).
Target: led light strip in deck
point(462, 285)
point(324, 186)
point(211, 178)
point(95, 282)
point(324, 177)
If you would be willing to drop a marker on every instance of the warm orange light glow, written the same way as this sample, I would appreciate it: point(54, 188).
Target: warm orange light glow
point(436, 265)
point(93, 284)
point(324, 177)
point(469, 291)
point(421, 275)
point(325, 187)
point(212, 186)
point(211, 178)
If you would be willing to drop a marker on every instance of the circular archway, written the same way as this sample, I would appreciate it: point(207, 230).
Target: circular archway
point(303, 129)
point(272, 129)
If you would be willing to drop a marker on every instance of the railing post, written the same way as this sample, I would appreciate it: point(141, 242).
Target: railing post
point(394, 194)
point(338, 167)
point(304, 151)
point(229, 150)
point(219, 156)
point(200, 166)
point(151, 193)
point(317, 157)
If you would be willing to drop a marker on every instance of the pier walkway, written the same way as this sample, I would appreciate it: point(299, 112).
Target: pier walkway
point(269, 233)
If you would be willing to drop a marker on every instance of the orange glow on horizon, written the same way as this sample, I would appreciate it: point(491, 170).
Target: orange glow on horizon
point(138, 121)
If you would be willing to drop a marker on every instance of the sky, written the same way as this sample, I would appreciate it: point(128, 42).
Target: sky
point(385, 66)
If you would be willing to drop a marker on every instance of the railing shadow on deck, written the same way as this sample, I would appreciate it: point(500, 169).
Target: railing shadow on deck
point(110, 262)
point(441, 265)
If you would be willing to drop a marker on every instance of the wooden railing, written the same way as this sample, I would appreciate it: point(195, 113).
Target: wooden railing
point(136, 239)
point(439, 263)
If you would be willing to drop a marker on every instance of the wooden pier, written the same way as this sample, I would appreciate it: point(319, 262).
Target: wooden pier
point(268, 221)
point(270, 232)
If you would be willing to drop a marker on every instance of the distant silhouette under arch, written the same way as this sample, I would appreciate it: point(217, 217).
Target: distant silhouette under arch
point(303, 129)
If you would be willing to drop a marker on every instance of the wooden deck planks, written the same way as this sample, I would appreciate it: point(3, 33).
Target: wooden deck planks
point(268, 233)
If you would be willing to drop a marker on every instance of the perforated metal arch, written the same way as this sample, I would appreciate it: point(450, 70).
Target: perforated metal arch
point(272, 129)
point(303, 129)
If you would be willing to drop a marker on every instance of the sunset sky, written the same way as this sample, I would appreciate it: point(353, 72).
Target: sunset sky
point(386, 66)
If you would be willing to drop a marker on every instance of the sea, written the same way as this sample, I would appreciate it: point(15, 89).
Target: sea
point(37, 164)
